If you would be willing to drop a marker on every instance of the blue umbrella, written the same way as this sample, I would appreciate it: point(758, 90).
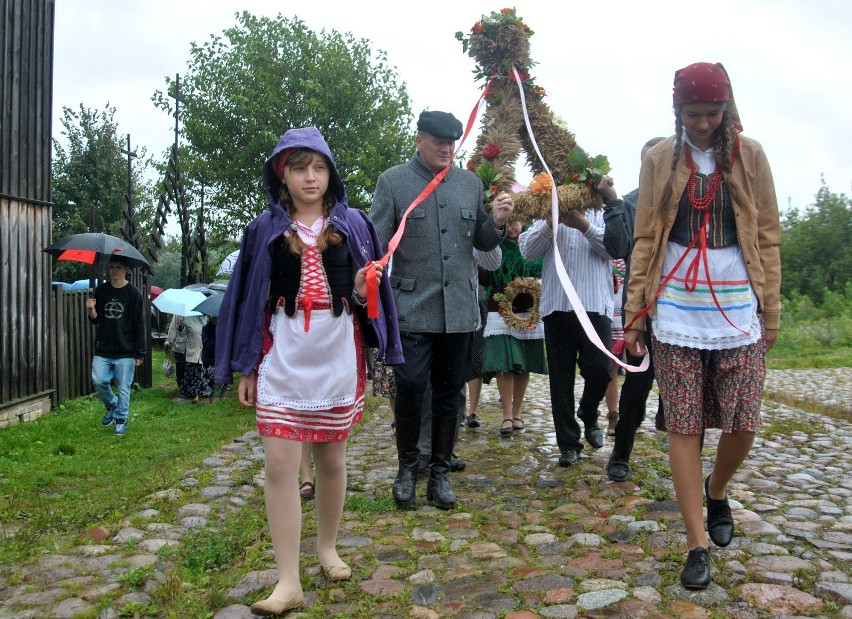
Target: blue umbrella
point(179, 301)
point(81, 284)
point(211, 304)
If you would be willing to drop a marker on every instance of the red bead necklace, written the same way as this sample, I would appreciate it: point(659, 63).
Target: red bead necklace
point(307, 231)
point(707, 199)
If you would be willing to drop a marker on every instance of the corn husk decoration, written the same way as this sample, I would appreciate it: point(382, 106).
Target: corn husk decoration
point(498, 42)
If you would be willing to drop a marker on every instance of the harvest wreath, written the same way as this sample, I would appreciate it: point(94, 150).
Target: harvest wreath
point(498, 42)
point(521, 295)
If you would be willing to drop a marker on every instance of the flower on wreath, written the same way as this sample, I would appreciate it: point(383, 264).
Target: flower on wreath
point(521, 295)
point(471, 166)
point(491, 152)
point(489, 26)
point(541, 184)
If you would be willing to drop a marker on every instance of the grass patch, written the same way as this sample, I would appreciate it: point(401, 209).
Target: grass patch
point(363, 504)
point(810, 405)
point(775, 426)
point(64, 472)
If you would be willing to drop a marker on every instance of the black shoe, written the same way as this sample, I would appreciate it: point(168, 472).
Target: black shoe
point(696, 572)
point(473, 421)
point(720, 522)
point(594, 436)
point(438, 491)
point(403, 487)
point(463, 421)
point(456, 463)
point(568, 458)
point(617, 470)
point(506, 430)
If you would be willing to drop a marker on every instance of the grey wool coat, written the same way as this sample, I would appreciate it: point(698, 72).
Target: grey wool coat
point(433, 274)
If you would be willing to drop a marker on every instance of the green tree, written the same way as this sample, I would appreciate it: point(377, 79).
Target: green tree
point(816, 250)
point(243, 89)
point(89, 180)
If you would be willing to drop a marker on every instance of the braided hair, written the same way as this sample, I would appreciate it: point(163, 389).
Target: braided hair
point(724, 141)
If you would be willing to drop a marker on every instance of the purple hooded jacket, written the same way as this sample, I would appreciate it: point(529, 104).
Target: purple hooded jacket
point(239, 336)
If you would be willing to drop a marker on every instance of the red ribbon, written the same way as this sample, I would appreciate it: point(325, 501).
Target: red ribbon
point(372, 279)
point(691, 279)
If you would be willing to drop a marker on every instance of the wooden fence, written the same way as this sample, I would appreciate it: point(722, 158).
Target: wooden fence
point(73, 343)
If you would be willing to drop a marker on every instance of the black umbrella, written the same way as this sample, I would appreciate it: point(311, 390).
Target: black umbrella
point(90, 246)
point(210, 305)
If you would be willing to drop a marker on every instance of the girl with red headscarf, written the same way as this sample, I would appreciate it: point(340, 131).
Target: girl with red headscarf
point(706, 265)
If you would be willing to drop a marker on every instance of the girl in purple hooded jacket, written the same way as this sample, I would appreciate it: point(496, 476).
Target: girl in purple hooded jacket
point(300, 281)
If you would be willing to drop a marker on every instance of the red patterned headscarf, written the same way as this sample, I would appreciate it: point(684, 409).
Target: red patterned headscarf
point(706, 82)
point(702, 82)
point(280, 162)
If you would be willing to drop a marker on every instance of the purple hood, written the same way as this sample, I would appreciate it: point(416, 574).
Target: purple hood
point(239, 329)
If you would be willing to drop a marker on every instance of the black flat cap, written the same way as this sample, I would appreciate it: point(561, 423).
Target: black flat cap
point(440, 124)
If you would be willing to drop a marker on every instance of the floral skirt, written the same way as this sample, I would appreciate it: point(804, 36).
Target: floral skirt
point(710, 388)
point(193, 381)
point(384, 381)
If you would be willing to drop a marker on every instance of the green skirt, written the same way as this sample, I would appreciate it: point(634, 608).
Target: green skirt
point(504, 353)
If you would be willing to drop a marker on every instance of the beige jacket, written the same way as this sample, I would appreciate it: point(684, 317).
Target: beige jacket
point(758, 227)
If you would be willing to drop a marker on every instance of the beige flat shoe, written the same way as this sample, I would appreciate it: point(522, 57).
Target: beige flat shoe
point(269, 606)
point(337, 572)
point(612, 421)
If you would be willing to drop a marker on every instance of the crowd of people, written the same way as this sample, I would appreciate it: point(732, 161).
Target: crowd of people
point(686, 268)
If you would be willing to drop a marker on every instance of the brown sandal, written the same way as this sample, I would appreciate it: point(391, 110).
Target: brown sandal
point(307, 490)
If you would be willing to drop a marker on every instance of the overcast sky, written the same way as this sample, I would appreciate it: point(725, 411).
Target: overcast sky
point(608, 74)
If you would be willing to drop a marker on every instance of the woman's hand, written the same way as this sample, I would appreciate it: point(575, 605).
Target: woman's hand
point(245, 390)
point(634, 339)
point(361, 278)
point(769, 336)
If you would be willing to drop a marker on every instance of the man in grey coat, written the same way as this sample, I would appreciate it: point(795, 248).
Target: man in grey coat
point(435, 292)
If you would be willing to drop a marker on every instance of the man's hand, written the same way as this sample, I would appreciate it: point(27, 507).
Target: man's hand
point(634, 339)
point(576, 220)
point(501, 209)
point(606, 187)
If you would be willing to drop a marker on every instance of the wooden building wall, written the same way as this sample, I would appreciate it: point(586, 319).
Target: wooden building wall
point(26, 68)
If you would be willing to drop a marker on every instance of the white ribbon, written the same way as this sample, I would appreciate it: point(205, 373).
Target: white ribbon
point(560, 267)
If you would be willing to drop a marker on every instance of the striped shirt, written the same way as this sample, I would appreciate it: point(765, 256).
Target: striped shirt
point(587, 263)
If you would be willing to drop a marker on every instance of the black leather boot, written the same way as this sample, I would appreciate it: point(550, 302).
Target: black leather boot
point(438, 490)
point(407, 433)
point(618, 467)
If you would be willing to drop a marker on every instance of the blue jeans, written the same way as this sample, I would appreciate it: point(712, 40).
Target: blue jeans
point(104, 371)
